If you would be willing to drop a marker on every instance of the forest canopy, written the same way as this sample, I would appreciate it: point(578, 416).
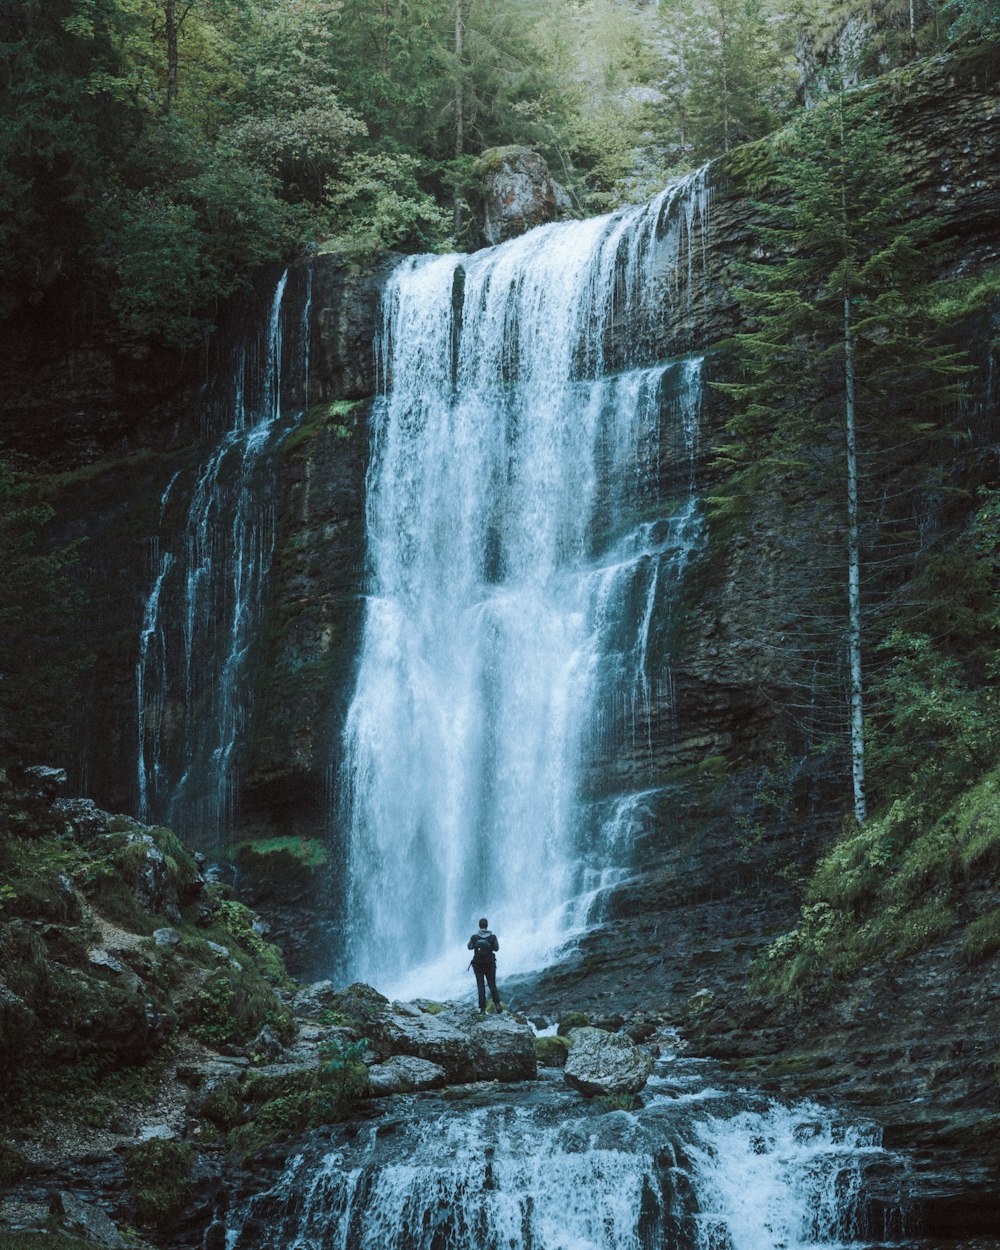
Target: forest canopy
point(164, 148)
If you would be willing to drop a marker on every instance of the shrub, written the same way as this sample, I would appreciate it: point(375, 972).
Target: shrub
point(159, 1175)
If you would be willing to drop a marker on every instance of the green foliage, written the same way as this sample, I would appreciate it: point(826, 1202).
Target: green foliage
point(159, 1176)
point(14, 1164)
point(982, 937)
point(377, 205)
point(231, 1007)
point(343, 1076)
point(41, 663)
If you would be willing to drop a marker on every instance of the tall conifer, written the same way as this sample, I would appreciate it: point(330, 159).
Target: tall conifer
point(844, 342)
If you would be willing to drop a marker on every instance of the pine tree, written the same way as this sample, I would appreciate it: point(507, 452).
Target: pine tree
point(845, 376)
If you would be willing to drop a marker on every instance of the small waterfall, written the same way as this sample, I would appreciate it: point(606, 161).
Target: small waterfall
point(201, 613)
point(704, 1172)
point(526, 521)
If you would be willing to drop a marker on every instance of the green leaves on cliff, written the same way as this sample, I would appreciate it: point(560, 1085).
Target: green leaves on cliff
point(40, 660)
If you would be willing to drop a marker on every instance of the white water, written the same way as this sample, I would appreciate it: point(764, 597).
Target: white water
point(201, 613)
point(556, 1174)
point(513, 581)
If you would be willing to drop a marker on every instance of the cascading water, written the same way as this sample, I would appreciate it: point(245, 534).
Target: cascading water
point(200, 616)
point(520, 536)
point(695, 1168)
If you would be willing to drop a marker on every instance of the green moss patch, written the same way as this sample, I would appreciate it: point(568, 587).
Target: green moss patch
point(307, 852)
point(159, 1175)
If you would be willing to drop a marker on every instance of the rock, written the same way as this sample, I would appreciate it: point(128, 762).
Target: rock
point(167, 937)
point(572, 1020)
point(313, 999)
point(266, 1043)
point(218, 950)
point(358, 1002)
point(46, 782)
point(86, 1221)
point(406, 1030)
point(404, 1073)
point(84, 818)
point(151, 879)
point(503, 1049)
point(158, 1132)
point(551, 1052)
point(516, 191)
point(605, 1063)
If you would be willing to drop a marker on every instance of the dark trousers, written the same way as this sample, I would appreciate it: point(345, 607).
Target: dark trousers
point(487, 974)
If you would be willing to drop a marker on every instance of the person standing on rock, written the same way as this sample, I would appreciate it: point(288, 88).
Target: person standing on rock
point(484, 947)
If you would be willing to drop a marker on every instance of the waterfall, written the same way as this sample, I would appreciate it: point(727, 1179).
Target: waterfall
point(526, 518)
point(552, 1173)
point(201, 613)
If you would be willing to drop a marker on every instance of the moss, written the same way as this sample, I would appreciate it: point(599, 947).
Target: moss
point(572, 1020)
point(617, 1102)
point(982, 937)
point(310, 852)
point(231, 1008)
point(10, 1240)
point(159, 1175)
point(14, 1165)
point(551, 1052)
point(336, 419)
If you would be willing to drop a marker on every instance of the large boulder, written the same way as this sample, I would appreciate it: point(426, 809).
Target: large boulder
point(403, 1074)
point(516, 193)
point(605, 1063)
point(503, 1049)
point(406, 1030)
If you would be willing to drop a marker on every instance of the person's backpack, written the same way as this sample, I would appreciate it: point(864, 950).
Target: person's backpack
point(482, 951)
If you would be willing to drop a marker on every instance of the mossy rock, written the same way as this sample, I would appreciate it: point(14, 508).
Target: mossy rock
point(159, 1175)
point(551, 1052)
point(572, 1020)
point(283, 867)
point(34, 1240)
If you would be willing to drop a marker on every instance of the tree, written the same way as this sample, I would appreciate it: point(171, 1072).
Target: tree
point(845, 339)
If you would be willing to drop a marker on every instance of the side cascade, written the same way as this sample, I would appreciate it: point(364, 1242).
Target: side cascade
point(200, 617)
point(531, 508)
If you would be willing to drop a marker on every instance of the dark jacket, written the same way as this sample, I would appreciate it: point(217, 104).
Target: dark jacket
point(483, 957)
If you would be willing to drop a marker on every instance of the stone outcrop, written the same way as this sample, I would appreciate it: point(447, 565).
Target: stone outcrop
point(605, 1063)
point(404, 1074)
point(406, 1030)
point(516, 193)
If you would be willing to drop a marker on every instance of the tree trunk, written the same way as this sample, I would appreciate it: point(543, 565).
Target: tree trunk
point(459, 110)
point(171, 29)
point(853, 576)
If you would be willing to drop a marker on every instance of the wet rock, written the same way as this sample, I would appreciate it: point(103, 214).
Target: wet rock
point(86, 1221)
point(167, 937)
point(359, 1002)
point(406, 1030)
point(405, 1073)
point(517, 192)
point(503, 1049)
point(605, 1063)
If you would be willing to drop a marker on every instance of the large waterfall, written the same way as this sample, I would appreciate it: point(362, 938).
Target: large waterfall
point(521, 533)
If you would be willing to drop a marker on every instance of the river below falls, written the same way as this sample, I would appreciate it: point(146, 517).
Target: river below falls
point(698, 1163)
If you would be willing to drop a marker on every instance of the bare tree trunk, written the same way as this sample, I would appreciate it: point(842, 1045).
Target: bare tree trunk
point(459, 109)
point(172, 57)
point(853, 576)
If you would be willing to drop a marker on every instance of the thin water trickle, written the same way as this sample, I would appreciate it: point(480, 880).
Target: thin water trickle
point(201, 614)
point(520, 539)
